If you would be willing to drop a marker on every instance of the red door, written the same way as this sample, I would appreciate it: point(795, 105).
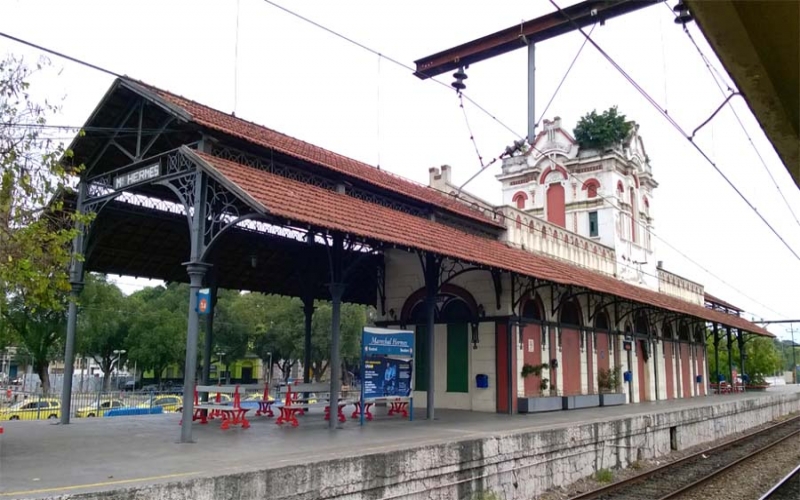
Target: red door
point(670, 369)
point(532, 355)
point(640, 381)
point(504, 385)
point(571, 360)
point(686, 382)
point(603, 361)
point(556, 211)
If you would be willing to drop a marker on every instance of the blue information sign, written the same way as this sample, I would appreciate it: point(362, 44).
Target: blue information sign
point(386, 361)
point(377, 341)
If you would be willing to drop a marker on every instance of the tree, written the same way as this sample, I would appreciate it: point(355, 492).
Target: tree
point(35, 232)
point(353, 319)
point(602, 131)
point(763, 358)
point(157, 335)
point(279, 331)
point(103, 323)
point(39, 331)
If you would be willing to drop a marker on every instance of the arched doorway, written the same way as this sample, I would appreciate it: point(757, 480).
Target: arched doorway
point(455, 309)
point(603, 344)
point(641, 327)
point(570, 326)
point(685, 361)
point(533, 342)
point(669, 358)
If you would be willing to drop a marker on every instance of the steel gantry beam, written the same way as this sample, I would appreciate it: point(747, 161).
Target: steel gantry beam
point(530, 32)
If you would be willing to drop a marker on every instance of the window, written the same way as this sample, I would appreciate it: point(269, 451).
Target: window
point(519, 199)
point(593, 228)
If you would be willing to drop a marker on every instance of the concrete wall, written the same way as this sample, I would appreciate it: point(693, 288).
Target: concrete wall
point(515, 465)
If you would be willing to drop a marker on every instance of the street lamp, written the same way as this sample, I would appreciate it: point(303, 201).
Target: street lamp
point(119, 353)
point(220, 355)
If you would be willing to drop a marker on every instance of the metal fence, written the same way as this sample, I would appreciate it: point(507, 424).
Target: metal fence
point(24, 405)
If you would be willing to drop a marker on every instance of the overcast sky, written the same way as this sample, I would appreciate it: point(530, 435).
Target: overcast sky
point(300, 80)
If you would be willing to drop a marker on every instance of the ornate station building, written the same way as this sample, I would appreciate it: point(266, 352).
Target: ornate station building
point(560, 282)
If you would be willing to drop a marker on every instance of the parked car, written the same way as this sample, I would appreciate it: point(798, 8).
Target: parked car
point(168, 402)
point(32, 409)
point(95, 410)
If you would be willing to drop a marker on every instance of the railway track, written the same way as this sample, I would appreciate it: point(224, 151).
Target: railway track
point(672, 480)
point(787, 488)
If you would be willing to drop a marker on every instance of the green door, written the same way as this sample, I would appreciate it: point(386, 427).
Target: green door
point(457, 358)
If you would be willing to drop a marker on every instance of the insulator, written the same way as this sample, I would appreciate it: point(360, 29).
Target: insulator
point(460, 75)
point(458, 85)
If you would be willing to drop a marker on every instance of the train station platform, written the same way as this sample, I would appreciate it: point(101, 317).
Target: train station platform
point(460, 453)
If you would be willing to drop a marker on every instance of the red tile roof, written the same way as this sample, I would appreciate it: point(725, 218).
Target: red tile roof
point(309, 204)
point(714, 300)
point(268, 138)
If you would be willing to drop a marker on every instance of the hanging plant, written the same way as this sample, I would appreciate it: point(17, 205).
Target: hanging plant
point(543, 384)
point(602, 131)
point(535, 370)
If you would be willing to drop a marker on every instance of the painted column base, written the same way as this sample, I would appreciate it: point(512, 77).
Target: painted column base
point(539, 404)
point(612, 399)
point(582, 401)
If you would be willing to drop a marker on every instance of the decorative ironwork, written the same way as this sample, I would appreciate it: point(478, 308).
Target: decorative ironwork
point(381, 271)
point(451, 269)
point(521, 287)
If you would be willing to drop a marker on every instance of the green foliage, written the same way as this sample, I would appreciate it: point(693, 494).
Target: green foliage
point(543, 384)
point(485, 495)
point(604, 476)
point(39, 333)
point(103, 322)
point(608, 380)
point(35, 233)
point(763, 358)
point(158, 324)
point(535, 370)
point(602, 131)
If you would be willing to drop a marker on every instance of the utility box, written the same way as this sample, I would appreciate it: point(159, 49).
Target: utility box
point(482, 381)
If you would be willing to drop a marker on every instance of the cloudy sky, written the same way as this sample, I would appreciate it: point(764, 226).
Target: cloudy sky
point(250, 57)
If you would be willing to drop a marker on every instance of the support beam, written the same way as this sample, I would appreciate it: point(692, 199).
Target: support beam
point(197, 272)
point(336, 288)
point(531, 92)
point(530, 32)
point(76, 281)
point(716, 353)
point(742, 354)
point(432, 264)
point(730, 354)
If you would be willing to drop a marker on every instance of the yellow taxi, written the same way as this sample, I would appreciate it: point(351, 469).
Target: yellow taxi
point(32, 409)
point(95, 410)
point(167, 402)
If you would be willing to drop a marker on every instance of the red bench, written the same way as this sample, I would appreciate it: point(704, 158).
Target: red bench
point(231, 414)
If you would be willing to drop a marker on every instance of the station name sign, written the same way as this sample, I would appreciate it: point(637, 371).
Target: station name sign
point(136, 176)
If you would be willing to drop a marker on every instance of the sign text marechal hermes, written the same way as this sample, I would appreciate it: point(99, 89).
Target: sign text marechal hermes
point(136, 176)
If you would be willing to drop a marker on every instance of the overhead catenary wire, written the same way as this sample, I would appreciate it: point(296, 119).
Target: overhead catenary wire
point(677, 126)
point(722, 84)
point(112, 73)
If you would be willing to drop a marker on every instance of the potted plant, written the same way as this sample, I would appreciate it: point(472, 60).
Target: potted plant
point(538, 402)
point(608, 386)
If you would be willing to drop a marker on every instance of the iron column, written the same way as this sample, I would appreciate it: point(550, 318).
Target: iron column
point(432, 289)
point(716, 353)
point(730, 355)
point(531, 92)
point(336, 288)
point(197, 271)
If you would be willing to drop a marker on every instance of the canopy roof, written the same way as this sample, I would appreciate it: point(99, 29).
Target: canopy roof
point(298, 190)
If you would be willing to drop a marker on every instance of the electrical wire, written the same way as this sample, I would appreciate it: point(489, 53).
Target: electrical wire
point(664, 113)
point(469, 129)
point(109, 72)
point(715, 75)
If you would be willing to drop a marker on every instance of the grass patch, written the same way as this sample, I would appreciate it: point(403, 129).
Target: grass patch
point(604, 476)
point(485, 495)
point(637, 465)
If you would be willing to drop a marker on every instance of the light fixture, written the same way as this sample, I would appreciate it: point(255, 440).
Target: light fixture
point(475, 335)
point(253, 261)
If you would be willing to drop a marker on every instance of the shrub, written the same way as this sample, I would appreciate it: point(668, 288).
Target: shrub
point(603, 476)
point(602, 131)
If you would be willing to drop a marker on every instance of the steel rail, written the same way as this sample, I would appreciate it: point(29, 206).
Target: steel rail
point(775, 491)
point(717, 473)
point(619, 486)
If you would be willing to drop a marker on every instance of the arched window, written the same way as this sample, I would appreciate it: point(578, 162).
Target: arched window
point(571, 313)
point(519, 199)
point(620, 188)
point(601, 320)
point(591, 186)
point(532, 309)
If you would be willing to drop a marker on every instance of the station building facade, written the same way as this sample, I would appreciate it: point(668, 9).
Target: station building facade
point(561, 277)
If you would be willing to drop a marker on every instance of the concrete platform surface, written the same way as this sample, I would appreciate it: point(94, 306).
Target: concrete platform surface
point(40, 459)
